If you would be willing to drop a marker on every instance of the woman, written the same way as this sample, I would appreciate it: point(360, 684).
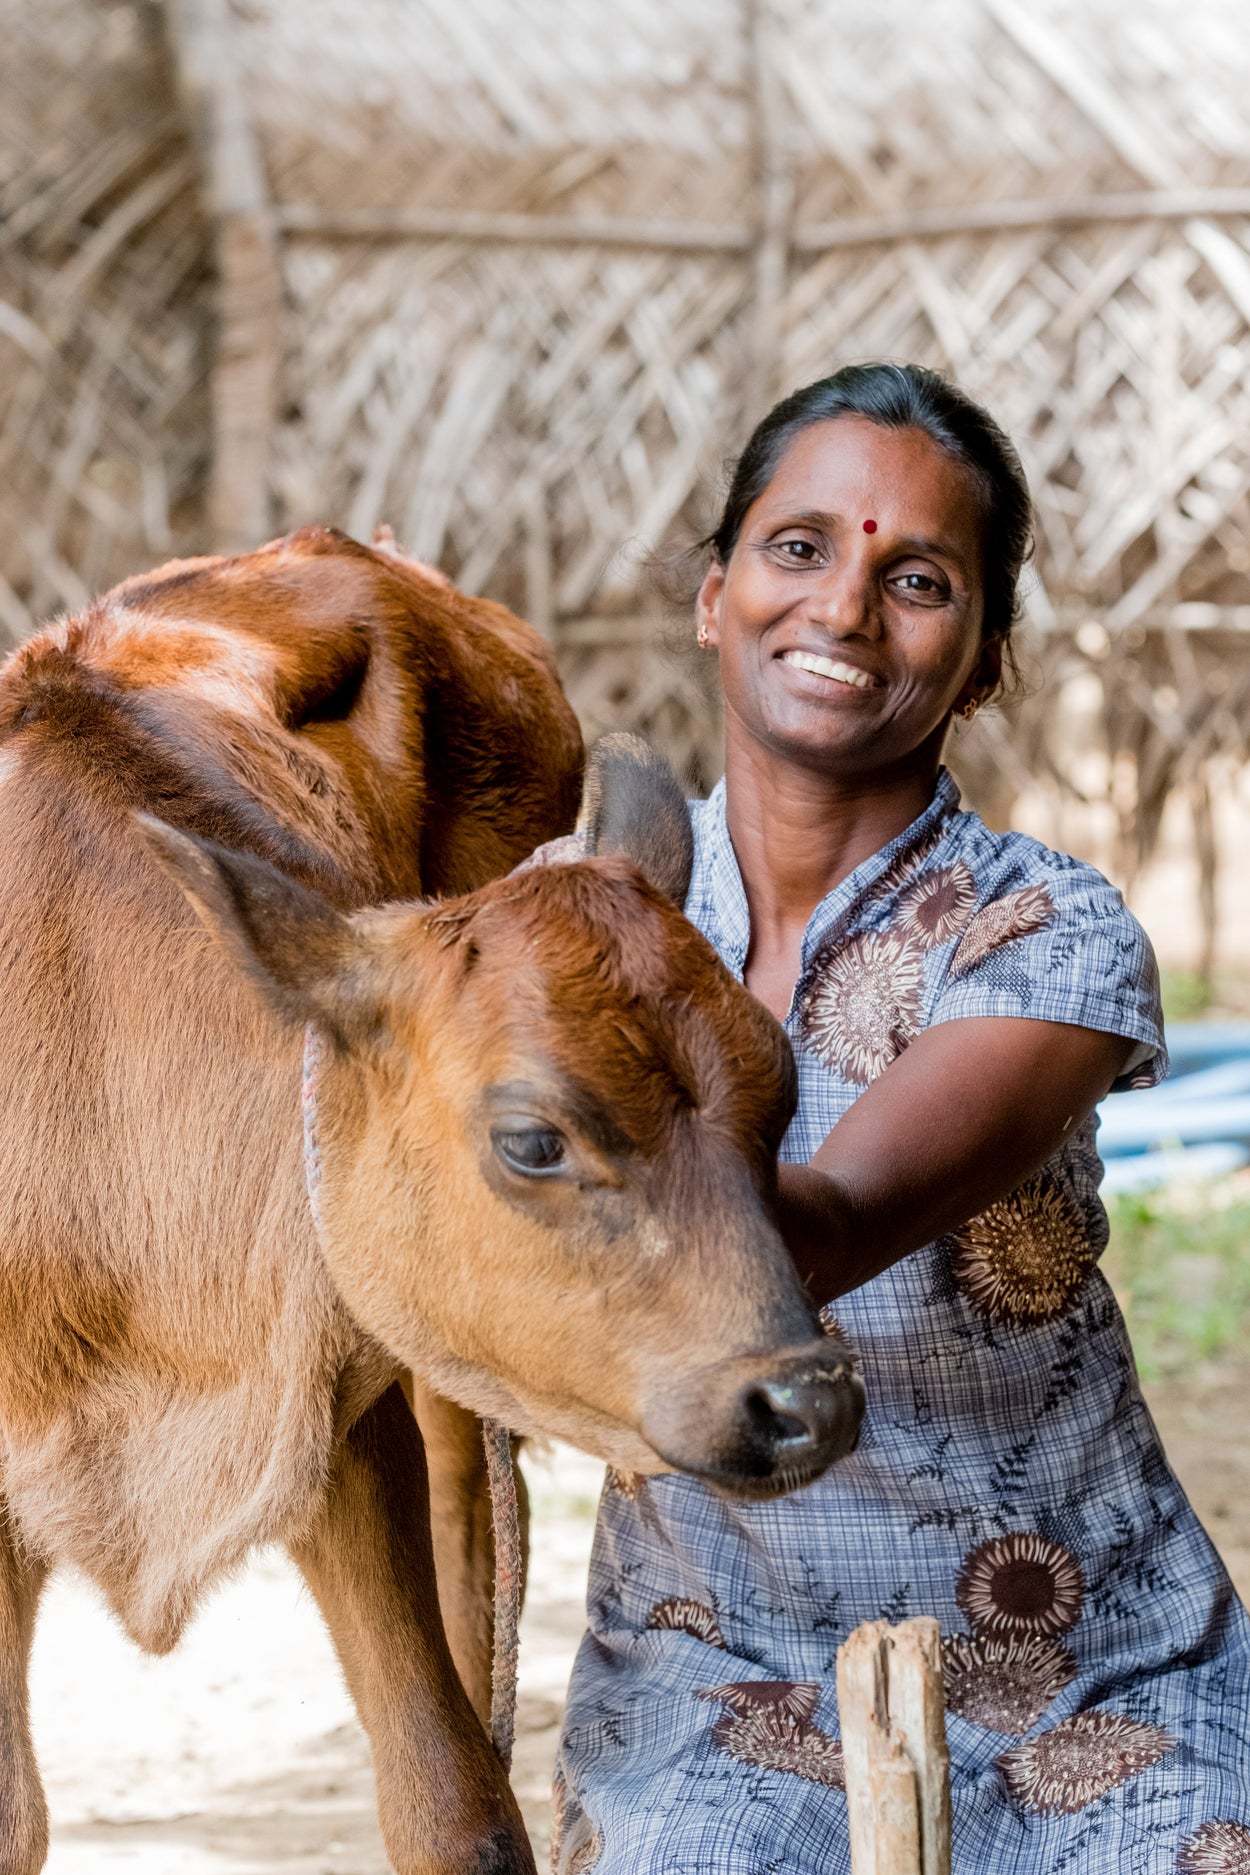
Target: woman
point(958, 1001)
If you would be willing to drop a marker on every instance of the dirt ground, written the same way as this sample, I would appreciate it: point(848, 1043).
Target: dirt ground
point(1205, 1426)
point(240, 1755)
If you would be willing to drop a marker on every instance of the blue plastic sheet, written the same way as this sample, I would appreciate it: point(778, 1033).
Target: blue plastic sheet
point(1195, 1126)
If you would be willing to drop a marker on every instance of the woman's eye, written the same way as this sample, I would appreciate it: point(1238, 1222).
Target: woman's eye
point(534, 1151)
point(802, 551)
point(922, 586)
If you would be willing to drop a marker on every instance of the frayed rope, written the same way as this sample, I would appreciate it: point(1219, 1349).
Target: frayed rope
point(506, 1524)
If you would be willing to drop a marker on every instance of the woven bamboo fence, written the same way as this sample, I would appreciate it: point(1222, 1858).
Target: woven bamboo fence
point(516, 278)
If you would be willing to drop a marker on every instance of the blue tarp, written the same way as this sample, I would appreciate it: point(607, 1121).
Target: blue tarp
point(1196, 1125)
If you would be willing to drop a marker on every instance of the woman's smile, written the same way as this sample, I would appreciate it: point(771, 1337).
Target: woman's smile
point(842, 647)
point(829, 670)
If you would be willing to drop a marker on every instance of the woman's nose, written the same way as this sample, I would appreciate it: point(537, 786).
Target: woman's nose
point(845, 603)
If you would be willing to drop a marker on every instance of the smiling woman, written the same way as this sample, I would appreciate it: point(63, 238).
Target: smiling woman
point(957, 1002)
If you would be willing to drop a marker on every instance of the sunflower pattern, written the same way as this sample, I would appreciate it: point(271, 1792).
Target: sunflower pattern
point(1081, 1759)
point(687, 1616)
point(624, 1483)
point(1004, 1684)
point(863, 1006)
point(1217, 1848)
point(1024, 1259)
point(769, 1724)
point(830, 1325)
point(939, 905)
point(584, 1848)
point(907, 865)
point(559, 1815)
point(1009, 1481)
point(1020, 1584)
point(1016, 915)
point(1018, 1593)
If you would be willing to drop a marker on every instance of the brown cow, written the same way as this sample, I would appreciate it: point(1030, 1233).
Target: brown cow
point(547, 1121)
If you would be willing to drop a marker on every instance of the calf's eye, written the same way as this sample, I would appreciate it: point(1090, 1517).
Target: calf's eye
point(534, 1151)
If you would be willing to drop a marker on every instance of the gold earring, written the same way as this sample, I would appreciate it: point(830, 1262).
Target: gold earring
point(970, 709)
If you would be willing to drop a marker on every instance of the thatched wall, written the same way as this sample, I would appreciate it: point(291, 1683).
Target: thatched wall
point(515, 278)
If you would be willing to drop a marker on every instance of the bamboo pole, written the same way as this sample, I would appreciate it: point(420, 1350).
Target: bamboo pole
point(894, 1749)
point(249, 279)
point(311, 221)
point(774, 184)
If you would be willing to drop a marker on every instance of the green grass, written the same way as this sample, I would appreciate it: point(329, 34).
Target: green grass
point(1179, 1262)
point(1186, 995)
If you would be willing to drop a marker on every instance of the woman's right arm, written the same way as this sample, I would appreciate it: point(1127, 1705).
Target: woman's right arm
point(967, 1112)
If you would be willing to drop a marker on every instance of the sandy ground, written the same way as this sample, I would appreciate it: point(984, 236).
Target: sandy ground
point(240, 1754)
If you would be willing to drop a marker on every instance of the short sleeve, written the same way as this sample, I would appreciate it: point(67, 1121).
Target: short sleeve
point(1061, 947)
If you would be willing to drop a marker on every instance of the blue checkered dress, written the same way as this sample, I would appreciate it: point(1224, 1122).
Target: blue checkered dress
point(1009, 1479)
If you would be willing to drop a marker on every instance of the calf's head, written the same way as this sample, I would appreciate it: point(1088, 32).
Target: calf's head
point(547, 1121)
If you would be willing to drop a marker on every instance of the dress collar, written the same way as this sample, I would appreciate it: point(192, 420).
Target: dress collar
point(718, 899)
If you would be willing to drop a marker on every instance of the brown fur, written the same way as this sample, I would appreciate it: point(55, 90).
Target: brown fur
point(186, 1369)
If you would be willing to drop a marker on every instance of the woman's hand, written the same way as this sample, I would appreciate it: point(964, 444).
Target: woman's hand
point(969, 1110)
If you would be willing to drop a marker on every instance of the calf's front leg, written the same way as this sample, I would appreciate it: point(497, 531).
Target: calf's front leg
point(460, 1524)
point(23, 1810)
point(443, 1801)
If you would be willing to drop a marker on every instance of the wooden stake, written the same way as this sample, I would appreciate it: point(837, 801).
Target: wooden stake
point(890, 1700)
point(895, 1812)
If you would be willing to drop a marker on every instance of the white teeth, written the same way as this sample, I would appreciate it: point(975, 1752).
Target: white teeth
point(828, 667)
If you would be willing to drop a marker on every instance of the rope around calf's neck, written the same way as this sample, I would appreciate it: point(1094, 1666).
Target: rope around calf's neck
point(504, 1510)
point(506, 1525)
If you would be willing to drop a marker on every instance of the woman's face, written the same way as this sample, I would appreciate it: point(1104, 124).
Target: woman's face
point(846, 648)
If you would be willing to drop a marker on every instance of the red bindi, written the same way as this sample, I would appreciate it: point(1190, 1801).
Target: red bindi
point(870, 527)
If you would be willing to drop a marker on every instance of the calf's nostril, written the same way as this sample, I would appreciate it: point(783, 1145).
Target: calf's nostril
point(803, 1418)
point(770, 1411)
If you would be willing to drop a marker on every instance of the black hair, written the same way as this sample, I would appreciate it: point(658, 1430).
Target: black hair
point(903, 397)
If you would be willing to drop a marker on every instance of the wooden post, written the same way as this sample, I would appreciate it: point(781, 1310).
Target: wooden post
point(890, 1706)
point(774, 186)
point(249, 278)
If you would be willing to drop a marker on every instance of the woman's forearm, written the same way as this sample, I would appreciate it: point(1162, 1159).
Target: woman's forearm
point(831, 1252)
point(969, 1111)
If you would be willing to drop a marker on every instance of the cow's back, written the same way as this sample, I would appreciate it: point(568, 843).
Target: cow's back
point(170, 1344)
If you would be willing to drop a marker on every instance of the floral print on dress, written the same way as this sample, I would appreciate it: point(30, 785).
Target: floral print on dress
point(1023, 1260)
point(830, 1325)
point(1004, 1684)
point(1005, 1457)
point(1217, 1848)
point(1019, 1592)
point(1080, 1760)
point(863, 1006)
point(1016, 915)
point(907, 864)
point(938, 906)
point(769, 1724)
point(1021, 1583)
point(687, 1616)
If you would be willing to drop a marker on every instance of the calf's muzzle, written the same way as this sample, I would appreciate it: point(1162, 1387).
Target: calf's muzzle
point(755, 1429)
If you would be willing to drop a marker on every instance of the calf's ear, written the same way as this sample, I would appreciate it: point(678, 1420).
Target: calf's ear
point(300, 951)
point(632, 804)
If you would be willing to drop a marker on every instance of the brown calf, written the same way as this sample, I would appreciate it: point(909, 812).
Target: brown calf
point(547, 1119)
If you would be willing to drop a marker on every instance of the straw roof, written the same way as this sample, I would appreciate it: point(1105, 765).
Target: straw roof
point(516, 279)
